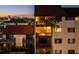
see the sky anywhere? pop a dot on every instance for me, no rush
(22, 10)
(70, 6)
(6, 10)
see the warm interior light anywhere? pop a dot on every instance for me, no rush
(43, 30)
(77, 18)
(37, 18)
(57, 29)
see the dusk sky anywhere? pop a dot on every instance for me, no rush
(27, 10)
(70, 6)
(16, 10)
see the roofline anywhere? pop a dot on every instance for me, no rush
(55, 10)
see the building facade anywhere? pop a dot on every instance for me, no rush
(64, 39)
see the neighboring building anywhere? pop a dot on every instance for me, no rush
(21, 31)
(65, 39)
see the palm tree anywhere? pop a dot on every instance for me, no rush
(18, 20)
(52, 21)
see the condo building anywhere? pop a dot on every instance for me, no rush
(59, 40)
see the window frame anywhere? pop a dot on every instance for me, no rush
(58, 30)
(42, 42)
(71, 29)
(71, 52)
(58, 51)
(71, 40)
(58, 39)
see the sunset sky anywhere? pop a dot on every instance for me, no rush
(70, 6)
(27, 10)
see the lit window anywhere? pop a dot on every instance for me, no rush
(77, 18)
(57, 29)
(63, 17)
(4, 45)
(37, 18)
(43, 31)
(46, 17)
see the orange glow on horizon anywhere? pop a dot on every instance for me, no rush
(3, 14)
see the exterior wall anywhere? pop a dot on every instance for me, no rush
(64, 35)
(19, 40)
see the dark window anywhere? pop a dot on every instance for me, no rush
(43, 40)
(8, 36)
(1, 35)
(58, 51)
(29, 37)
(58, 40)
(58, 18)
(71, 51)
(71, 29)
(70, 41)
(1, 28)
(70, 18)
